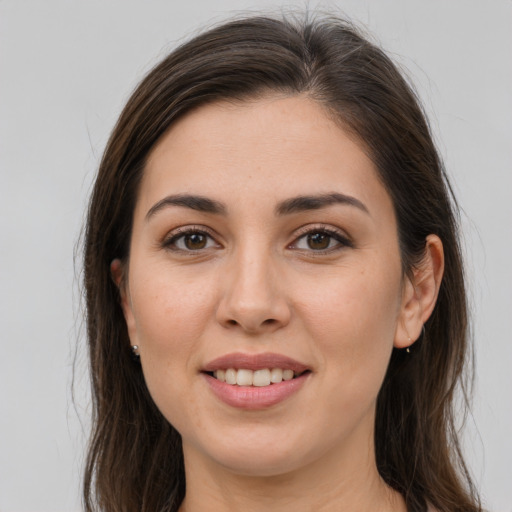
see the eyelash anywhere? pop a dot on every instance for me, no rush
(342, 240)
(171, 241)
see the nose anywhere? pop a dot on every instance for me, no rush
(253, 297)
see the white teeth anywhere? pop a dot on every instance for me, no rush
(244, 377)
(287, 374)
(276, 375)
(231, 376)
(259, 378)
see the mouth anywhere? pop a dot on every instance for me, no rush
(255, 381)
(257, 378)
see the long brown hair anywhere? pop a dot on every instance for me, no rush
(135, 460)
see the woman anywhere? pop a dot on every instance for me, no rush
(275, 297)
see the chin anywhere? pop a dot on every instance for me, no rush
(263, 454)
(261, 464)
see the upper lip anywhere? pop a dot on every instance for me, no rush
(240, 360)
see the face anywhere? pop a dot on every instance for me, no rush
(264, 252)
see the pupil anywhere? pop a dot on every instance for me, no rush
(195, 241)
(318, 241)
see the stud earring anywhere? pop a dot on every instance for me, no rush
(408, 350)
(135, 353)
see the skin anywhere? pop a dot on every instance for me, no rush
(257, 285)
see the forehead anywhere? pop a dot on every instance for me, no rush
(265, 149)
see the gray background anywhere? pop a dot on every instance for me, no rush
(67, 67)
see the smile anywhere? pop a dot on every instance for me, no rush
(255, 381)
(258, 378)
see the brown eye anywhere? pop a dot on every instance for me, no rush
(318, 241)
(191, 241)
(321, 240)
(195, 241)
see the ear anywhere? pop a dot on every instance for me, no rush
(420, 293)
(117, 272)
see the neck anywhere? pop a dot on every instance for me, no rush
(335, 482)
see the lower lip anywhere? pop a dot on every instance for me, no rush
(253, 397)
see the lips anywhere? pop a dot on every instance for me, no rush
(255, 362)
(246, 394)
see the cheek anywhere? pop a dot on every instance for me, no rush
(350, 303)
(352, 319)
(170, 315)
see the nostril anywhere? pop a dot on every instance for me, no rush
(269, 322)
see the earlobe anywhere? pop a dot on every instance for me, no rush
(420, 293)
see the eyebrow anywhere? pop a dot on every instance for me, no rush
(316, 202)
(287, 207)
(194, 202)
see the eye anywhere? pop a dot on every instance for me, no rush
(321, 240)
(191, 240)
